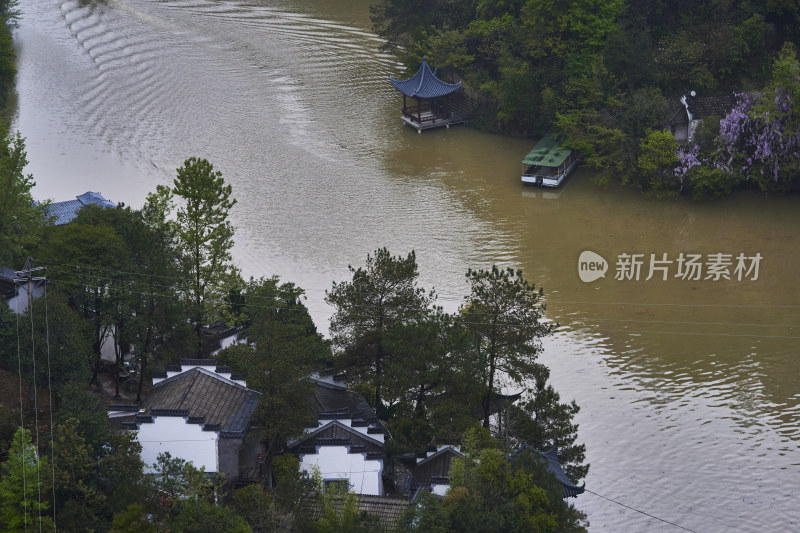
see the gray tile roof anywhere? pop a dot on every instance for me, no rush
(424, 84)
(336, 433)
(388, 510)
(202, 393)
(66, 211)
(436, 465)
(705, 106)
(334, 401)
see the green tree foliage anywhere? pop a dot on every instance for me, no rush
(490, 493)
(380, 295)
(21, 221)
(121, 476)
(337, 512)
(504, 313)
(85, 256)
(55, 332)
(206, 237)
(283, 349)
(177, 479)
(436, 379)
(427, 515)
(24, 487)
(543, 420)
(201, 516)
(657, 158)
(79, 404)
(156, 256)
(262, 511)
(133, 520)
(77, 500)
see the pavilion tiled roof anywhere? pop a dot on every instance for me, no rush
(424, 84)
(554, 466)
(201, 394)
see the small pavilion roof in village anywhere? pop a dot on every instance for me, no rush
(425, 84)
(570, 489)
(64, 212)
(547, 153)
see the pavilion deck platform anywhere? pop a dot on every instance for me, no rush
(430, 120)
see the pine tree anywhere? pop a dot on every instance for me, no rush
(504, 313)
(23, 488)
(205, 234)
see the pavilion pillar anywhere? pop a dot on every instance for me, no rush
(419, 111)
(404, 104)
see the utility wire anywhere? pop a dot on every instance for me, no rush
(642, 512)
(50, 400)
(22, 427)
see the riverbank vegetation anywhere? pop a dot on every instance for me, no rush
(9, 19)
(608, 77)
(155, 278)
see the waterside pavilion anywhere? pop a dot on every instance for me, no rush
(432, 96)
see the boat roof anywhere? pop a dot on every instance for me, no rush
(424, 84)
(547, 153)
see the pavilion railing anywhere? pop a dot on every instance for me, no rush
(415, 113)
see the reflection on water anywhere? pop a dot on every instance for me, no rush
(690, 405)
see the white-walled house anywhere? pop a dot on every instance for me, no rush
(347, 445)
(197, 413)
(16, 295)
(691, 111)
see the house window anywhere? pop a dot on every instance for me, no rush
(337, 485)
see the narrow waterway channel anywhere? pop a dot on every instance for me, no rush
(688, 387)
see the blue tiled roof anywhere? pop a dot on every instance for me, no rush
(424, 84)
(65, 212)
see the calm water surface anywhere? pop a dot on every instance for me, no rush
(689, 391)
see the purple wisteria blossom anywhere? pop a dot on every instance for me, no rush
(755, 138)
(688, 159)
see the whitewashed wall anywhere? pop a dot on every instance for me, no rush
(334, 462)
(19, 302)
(172, 434)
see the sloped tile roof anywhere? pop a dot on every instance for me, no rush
(706, 106)
(388, 510)
(434, 466)
(202, 393)
(424, 84)
(336, 400)
(66, 211)
(335, 432)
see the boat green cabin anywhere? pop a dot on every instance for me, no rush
(548, 163)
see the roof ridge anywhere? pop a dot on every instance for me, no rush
(345, 427)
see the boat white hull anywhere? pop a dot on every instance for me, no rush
(550, 180)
